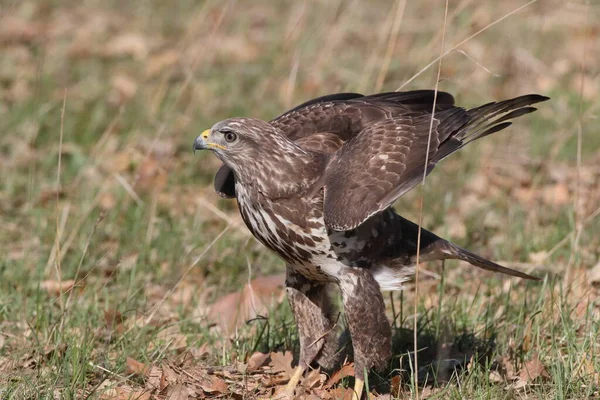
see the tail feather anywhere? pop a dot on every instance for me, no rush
(484, 117)
(483, 121)
(458, 253)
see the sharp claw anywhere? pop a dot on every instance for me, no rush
(358, 388)
(290, 388)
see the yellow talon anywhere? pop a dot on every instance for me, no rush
(294, 380)
(358, 388)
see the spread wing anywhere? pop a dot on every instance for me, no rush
(324, 123)
(387, 159)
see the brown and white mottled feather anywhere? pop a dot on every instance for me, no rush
(387, 159)
(316, 184)
(343, 115)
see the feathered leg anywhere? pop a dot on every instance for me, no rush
(369, 327)
(310, 305)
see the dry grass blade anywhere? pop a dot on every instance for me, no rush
(57, 265)
(400, 5)
(182, 277)
(425, 68)
(576, 205)
(420, 223)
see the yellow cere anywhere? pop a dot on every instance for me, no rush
(205, 137)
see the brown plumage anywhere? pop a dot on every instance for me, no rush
(316, 184)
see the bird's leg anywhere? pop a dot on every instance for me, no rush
(310, 304)
(369, 327)
(295, 379)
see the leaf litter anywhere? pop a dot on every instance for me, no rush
(263, 376)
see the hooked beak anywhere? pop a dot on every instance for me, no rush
(201, 142)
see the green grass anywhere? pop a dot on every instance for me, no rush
(135, 208)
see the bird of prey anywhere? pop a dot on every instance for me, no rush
(316, 186)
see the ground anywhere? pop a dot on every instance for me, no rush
(121, 271)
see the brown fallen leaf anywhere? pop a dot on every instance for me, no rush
(270, 380)
(388, 396)
(135, 367)
(154, 378)
(309, 396)
(128, 393)
(256, 361)
(496, 377)
(280, 393)
(234, 309)
(532, 370)
(282, 362)
(173, 336)
(107, 390)
(113, 317)
(346, 370)
(15, 30)
(57, 288)
(177, 392)
(108, 201)
(160, 62)
(314, 380)
(505, 368)
(456, 226)
(557, 194)
(538, 257)
(524, 195)
(199, 352)
(212, 384)
(128, 262)
(169, 377)
(121, 161)
(338, 393)
(594, 274)
(127, 45)
(395, 386)
(123, 89)
(150, 176)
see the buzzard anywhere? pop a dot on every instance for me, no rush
(316, 186)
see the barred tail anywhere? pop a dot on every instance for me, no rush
(458, 253)
(485, 120)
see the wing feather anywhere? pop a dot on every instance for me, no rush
(343, 115)
(387, 159)
(371, 171)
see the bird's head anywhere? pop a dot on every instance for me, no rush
(258, 153)
(237, 140)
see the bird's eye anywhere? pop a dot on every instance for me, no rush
(230, 137)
